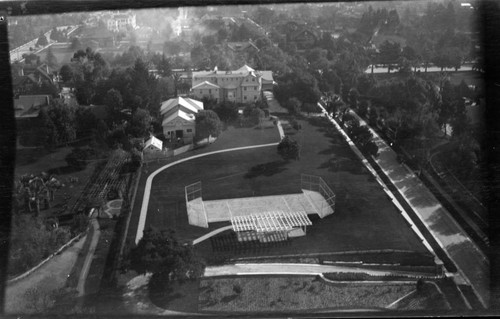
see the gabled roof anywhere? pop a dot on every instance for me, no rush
(29, 105)
(178, 114)
(205, 84)
(267, 76)
(153, 141)
(240, 46)
(193, 105)
(245, 69)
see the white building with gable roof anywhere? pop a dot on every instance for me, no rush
(243, 85)
(179, 118)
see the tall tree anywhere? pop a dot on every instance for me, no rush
(161, 253)
(51, 59)
(42, 40)
(207, 124)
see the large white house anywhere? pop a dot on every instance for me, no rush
(243, 85)
(179, 118)
(122, 21)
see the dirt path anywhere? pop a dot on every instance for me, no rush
(49, 277)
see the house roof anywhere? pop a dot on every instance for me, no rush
(240, 46)
(267, 76)
(205, 84)
(193, 105)
(29, 105)
(153, 141)
(178, 114)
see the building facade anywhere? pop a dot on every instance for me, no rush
(244, 85)
(179, 115)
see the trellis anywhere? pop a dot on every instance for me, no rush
(270, 222)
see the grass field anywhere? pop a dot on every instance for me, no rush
(470, 77)
(296, 293)
(63, 54)
(365, 219)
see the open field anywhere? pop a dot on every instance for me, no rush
(365, 219)
(470, 77)
(62, 52)
(296, 293)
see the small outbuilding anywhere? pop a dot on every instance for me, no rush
(153, 145)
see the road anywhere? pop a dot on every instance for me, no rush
(292, 269)
(16, 54)
(421, 69)
(51, 276)
(472, 264)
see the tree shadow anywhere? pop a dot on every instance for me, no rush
(266, 169)
(343, 164)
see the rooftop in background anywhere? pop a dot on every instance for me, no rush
(28, 106)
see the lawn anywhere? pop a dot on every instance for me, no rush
(294, 293)
(63, 53)
(365, 218)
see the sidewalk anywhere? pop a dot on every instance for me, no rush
(472, 264)
(296, 269)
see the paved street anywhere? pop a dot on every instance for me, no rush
(421, 69)
(294, 269)
(473, 265)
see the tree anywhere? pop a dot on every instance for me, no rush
(207, 124)
(42, 40)
(66, 73)
(75, 44)
(227, 111)
(63, 117)
(50, 58)
(289, 148)
(141, 122)
(160, 253)
(164, 66)
(114, 104)
(293, 105)
(362, 136)
(48, 131)
(389, 52)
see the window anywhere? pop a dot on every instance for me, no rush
(255, 88)
(245, 88)
(189, 130)
(209, 91)
(246, 80)
(255, 97)
(201, 91)
(168, 133)
(244, 97)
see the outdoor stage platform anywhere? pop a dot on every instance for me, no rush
(202, 212)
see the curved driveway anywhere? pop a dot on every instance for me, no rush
(149, 181)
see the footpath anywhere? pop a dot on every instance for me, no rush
(471, 262)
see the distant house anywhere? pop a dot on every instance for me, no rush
(247, 47)
(97, 38)
(153, 145)
(206, 89)
(303, 38)
(30, 78)
(29, 106)
(242, 86)
(121, 22)
(179, 118)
